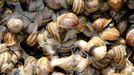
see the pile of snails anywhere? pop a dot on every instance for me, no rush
(66, 37)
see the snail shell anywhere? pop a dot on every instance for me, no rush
(117, 54)
(121, 41)
(15, 25)
(53, 4)
(78, 6)
(108, 70)
(10, 39)
(95, 41)
(92, 5)
(32, 39)
(110, 34)
(2, 31)
(90, 71)
(43, 67)
(131, 4)
(53, 29)
(3, 48)
(122, 26)
(100, 64)
(100, 23)
(130, 37)
(67, 21)
(115, 4)
(99, 52)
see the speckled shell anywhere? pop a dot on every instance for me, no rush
(9, 39)
(110, 34)
(53, 4)
(32, 39)
(117, 54)
(130, 37)
(100, 23)
(115, 4)
(92, 5)
(78, 6)
(15, 25)
(67, 21)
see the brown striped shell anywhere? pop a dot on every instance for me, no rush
(32, 39)
(78, 6)
(110, 34)
(92, 5)
(67, 21)
(10, 39)
(100, 23)
(117, 54)
(130, 37)
(116, 4)
(101, 63)
(53, 29)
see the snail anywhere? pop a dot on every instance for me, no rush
(100, 23)
(78, 6)
(117, 54)
(92, 5)
(10, 39)
(122, 26)
(116, 4)
(67, 21)
(129, 38)
(32, 39)
(110, 34)
(2, 31)
(43, 67)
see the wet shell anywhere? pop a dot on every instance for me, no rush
(115, 4)
(110, 34)
(53, 4)
(15, 25)
(100, 24)
(78, 6)
(32, 39)
(92, 5)
(117, 54)
(10, 39)
(130, 37)
(67, 21)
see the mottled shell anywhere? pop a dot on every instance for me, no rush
(130, 37)
(116, 4)
(103, 63)
(122, 26)
(95, 41)
(32, 39)
(10, 39)
(110, 34)
(43, 67)
(78, 6)
(53, 4)
(15, 25)
(117, 54)
(100, 23)
(67, 21)
(92, 5)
